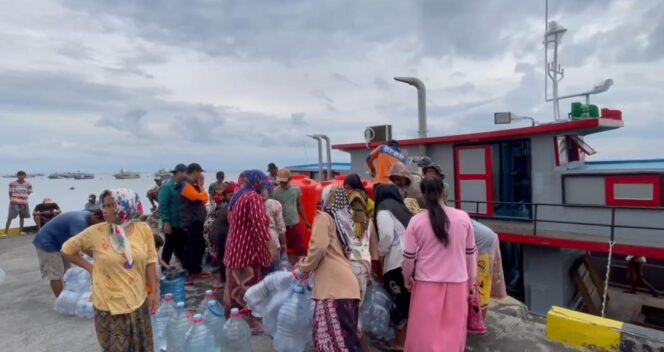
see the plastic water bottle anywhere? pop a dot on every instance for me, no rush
(271, 313)
(294, 323)
(375, 313)
(177, 328)
(237, 335)
(160, 321)
(84, 306)
(209, 296)
(215, 321)
(258, 296)
(199, 338)
(66, 302)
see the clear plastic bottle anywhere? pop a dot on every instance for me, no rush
(199, 338)
(209, 296)
(177, 328)
(237, 335)
(160, 321)
(215, 320)
(294, 323)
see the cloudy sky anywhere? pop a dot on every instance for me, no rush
(99, 85)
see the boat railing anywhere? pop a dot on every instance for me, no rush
(535, 211)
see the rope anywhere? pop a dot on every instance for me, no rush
(606, 280)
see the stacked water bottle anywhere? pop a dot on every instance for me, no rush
(286, 308)
(75, 298)
(375, 313)
(207, 331)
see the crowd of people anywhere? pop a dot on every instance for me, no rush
(406, 238)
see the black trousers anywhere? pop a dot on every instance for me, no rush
(194, 248)
(173, 243)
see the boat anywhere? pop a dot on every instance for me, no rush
(163, 174)
(126, 175)
(83, 176)
(56, 176)
(568, 226)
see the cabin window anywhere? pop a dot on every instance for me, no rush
(570, 149)
(634, 190)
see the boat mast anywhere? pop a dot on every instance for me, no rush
(553, 33)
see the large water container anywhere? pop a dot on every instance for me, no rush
(160, 321)
(215, 320)
(66, 302)
(177, 328)
(174, 286)
(237, 335)
(209, 296)
(310, 200)
(294, 323)
(199, 338)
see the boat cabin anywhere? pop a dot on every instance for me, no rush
(534, 187)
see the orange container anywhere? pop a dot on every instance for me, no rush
(339, 181)
(310, 200)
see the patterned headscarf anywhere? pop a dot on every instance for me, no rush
(128, 208)
(250, 180)
(335, 203)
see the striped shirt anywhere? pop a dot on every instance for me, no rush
(19, 192)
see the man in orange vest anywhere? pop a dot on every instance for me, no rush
(381, 160)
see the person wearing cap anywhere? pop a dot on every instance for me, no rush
(193, 212)
(153, 193)
(169, 213)
(381, 160)
(433, 170)
(407, 182)
(92, 203)
(19, 191)
(50, 238)
(45, 211)
(218, 185)
(290, 198)
(272, 173)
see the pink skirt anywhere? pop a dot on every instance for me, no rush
(438, 317)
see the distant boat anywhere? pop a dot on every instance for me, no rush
(84, 176)
(56, 176)
(125, 175)
(163, 174)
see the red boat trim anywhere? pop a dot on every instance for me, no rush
(598, 247)
(590, 126)
(654, 180)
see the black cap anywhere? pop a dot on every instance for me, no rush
(424, 162)
(220, 174)
(193, 167)
(393, 143)
(272, 166)
(179, 168)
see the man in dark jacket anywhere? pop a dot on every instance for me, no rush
(169, 213)
(193, 212)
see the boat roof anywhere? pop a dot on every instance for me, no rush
(620, 165)
(582, 127)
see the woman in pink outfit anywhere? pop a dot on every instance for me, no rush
(442, 242)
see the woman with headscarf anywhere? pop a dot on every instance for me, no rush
(361, 210)
(124, 279)
(392, 218)
(219, 231)
(247, 256)
(336, 293)
(440, 266)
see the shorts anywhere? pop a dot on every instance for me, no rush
(294, 241)
(16, 210)
(52, 265)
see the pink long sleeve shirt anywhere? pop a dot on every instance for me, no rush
(455, 263)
